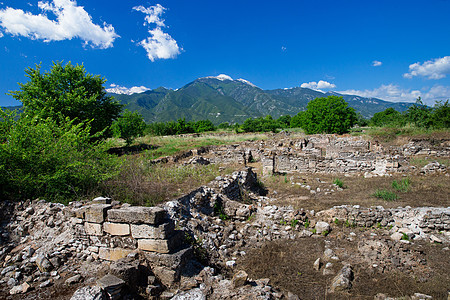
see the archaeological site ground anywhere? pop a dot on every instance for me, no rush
(271, 216)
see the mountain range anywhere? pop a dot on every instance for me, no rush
(222, 99)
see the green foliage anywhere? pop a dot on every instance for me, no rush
(401, 186)
(388, 117)
(385, 195)
(219, 211)
(224, 125)
(129, 126)
(339, 183)
(284, 121)
(440, 117)
(419, 114)
(361, 121)
(307, 223)
(260, 124)
(405, 237)
(68, 91)
(294, 223)
(337, 222)
(41, 158)
(180, 127)
(325, 232)
(326, 115)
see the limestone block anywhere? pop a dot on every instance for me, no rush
(116, 228)
(166, 276)
(174, 261)
(145, 231)
(161, 246)
(96, 213)
(137, 215)
(113, 254)
(93, 229)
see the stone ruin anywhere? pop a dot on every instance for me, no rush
(189, 248)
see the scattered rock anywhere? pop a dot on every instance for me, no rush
(88, 293)
(74, 279)
(322, 227)
(343, 280)
(239, 279)
(317, 264)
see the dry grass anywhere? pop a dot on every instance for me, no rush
(143, 183)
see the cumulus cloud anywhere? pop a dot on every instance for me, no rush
(394, 93)
(318, 86)
(159, 45)
(117, 89)
(72, 21)
(376, 63)
(432, 69)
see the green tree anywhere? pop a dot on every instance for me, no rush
(440, 117)
(260, 124)
(327, 115)
(68, 91)
(284, 121)
(204, 125)
(419, 114)
(387, 117)
(129, 126)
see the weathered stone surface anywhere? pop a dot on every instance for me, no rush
(113, 254)
(126, 269)
(343, 280)
(93, 228)
(194, 294)
(96, 213)
(317, 264)
(88, 293)
(167, 276)
(137, 215)
(172, 261)
(145, 231)
(162, 246)
(43, 264)
(239, 279)
(74, 279)
(20, 289)
(102, 200)
(116, 228)
(322, 227)
(110, 281)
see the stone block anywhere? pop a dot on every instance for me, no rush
(137, 215)
(162, 246)
(116, 228)
(166, 276)
(93, 229)
(145, 231)
(96, 213)
(174, 261)
(113, 254)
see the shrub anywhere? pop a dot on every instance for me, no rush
(41, 158)
(402, 186)
(339, 183)
(385, 195)
(388, 117)
(260, 125)
(129, 126)
(326, 115)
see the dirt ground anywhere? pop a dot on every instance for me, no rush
(289, 266)
(430, 190)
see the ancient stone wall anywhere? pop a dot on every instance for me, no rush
(113, 233)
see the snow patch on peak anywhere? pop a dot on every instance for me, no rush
(221, 77)
(246, 82)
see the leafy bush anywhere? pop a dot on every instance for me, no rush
(129, 126)
(326, 115)
(180, 127)
(388, 117)
(41, 158)
(260, 124)
(68, 91)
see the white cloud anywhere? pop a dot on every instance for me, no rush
(159, 45)
(432, 69)
(72, 21)
(117, 89)
(394, 93)
(318, 86)
(283, 48)
(376, 63)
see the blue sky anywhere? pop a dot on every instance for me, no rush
(393, 50)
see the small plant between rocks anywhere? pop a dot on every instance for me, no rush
(401, 186)
(339, 183)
